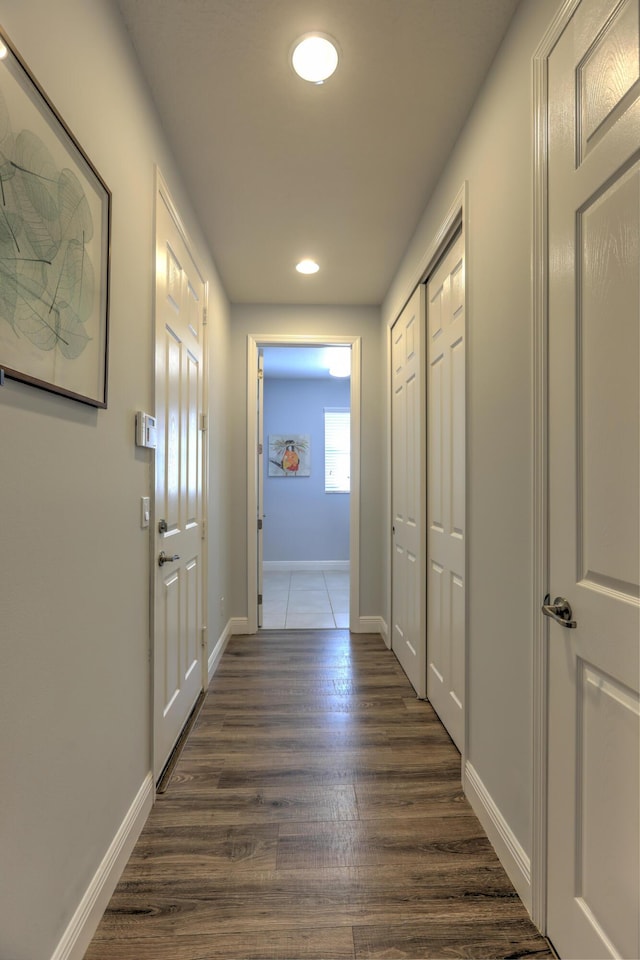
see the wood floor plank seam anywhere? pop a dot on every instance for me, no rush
(316, 813)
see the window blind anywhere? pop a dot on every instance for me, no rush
(337, 450)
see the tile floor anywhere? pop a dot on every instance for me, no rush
(310, 599)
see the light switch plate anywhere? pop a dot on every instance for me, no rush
(145, 511)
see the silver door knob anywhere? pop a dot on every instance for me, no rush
(163, 558)
(560, 611)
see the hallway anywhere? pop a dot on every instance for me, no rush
(316, 812)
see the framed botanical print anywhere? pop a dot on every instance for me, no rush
(55, 212)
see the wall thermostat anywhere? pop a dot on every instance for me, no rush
(145, 430)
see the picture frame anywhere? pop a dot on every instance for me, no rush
(55, 231)
(289, 455)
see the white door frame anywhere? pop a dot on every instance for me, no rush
(254, 342)
(260, 481)
(540, 453)
(163, 195)
(456, 215)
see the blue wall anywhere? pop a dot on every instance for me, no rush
(302, 522)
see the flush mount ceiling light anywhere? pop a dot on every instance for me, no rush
(307, 266)
(314, 57)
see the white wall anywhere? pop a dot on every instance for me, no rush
(495, 155)
(303, 522)
(74, 564)
(314, 321)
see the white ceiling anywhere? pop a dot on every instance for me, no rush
(280, 169)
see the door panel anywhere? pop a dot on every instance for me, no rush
(192, 439)
(408, 635)
(193, 578)
(178, 652)
(607, 227)
(446, 491)
(607, 787)
(167, 655)
(594, 454)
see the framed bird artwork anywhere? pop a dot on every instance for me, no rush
(289, 455)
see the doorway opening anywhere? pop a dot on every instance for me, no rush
(303, 436)
(306, 487)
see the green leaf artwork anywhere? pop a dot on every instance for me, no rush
(47, 279)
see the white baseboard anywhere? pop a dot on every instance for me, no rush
(240, 625)
(293, 566)
(510, 852)
(236, 625)
(218, 650)
(369, 625)
(83, 924)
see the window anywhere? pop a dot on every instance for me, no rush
(337, 450)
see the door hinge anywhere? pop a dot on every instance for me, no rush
(260, 374)
(203, 637)
(259, 599)
(203, 421)
(260, 449)
(259, 524)
(204, 316)
(203, 530)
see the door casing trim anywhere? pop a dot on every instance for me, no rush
(254, 342)
(540, 460)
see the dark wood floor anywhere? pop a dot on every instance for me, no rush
(316, 812)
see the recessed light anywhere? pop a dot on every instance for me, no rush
(314, 57)
(3, 51)
(307, 266)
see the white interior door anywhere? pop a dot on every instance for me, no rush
(446, 491)
(260, 472)
(594, 308)
(178, 649)
(408, 429)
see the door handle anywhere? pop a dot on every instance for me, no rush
(560, 611)
(163, 558)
